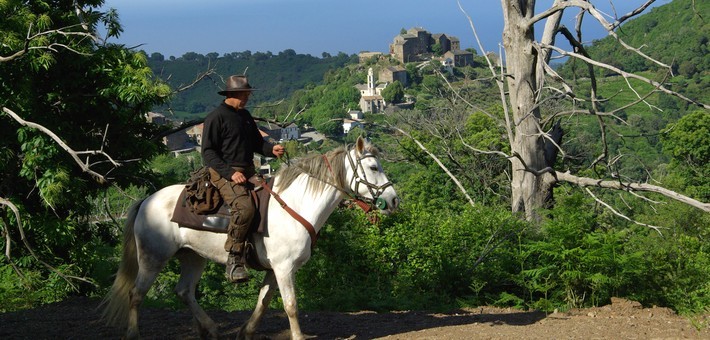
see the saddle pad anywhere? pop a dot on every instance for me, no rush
(218, 223)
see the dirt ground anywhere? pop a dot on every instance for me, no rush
(77, 318)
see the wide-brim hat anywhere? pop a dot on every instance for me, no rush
(236, 84)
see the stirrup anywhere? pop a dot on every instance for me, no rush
(235, 270)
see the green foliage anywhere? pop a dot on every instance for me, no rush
(672, 41)
(576, 261)
(422, 258)
(93, 96)
(681, 43)
(393, 93)
(21, 291)
(322, 106)
(436, 49)
(175, 169)
(688, 142)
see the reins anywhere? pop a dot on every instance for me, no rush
(309, 227)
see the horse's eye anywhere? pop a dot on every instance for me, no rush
(374, 168)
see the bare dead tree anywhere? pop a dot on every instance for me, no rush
(527, 83)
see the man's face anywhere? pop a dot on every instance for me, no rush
(243, 98)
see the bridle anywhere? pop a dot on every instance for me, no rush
(375, 190)
(364, 202)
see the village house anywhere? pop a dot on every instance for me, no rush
(391, 74)
(279, 134)
(350, 124)
(355, 120)
(356, 115)
(177, 142)
(195, 133)
(460, 58)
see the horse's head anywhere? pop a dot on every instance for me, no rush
(367, 179)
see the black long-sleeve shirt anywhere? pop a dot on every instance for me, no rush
(230, 138)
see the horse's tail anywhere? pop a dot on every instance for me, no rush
(116, 303)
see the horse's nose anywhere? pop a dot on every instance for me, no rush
(395, 203)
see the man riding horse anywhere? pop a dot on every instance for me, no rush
(230, 139)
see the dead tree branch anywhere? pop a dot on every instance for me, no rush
(441, 165)
(65, 31)
(628, 186)
(85, 166)
(16, 212)
(615, 212)
(499, 78)
(625, 74)
(200, 77)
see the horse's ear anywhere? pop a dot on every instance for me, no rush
(360, 145)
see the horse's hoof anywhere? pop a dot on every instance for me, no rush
(209, 334)
(241, 335)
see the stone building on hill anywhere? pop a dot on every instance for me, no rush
(364, 56)
(391, 73)
(418, 42)
(459, 57)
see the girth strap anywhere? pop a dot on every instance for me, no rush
(293, 213)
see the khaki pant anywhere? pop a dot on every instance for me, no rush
(241, 208)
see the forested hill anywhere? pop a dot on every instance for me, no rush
(676, 34)
(275, 75)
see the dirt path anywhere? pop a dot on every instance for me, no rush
(77, 318)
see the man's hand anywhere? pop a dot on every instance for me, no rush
(278, 150)
(239, 178)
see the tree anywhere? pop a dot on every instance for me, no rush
(393, 93)
(73, 113)
(437, 49)
(541, 109)
(155, 56)
(535, 140)
(688, 142)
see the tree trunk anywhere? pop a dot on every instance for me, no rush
(529, 191)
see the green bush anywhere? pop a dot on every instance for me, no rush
(420, 258)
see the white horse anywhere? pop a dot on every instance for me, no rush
(313, 187)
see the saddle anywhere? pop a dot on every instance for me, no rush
(218, 222)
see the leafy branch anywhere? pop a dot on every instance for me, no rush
(84, 165)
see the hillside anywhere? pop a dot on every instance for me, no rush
(676, 34)
(275, 76)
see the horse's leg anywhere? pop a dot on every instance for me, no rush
(147, 273)
(286, 281)
(265, 295)
(191, 267)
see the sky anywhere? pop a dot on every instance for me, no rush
(175, 27)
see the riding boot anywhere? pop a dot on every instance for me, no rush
(235, 271)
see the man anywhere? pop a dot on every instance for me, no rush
(230, 138)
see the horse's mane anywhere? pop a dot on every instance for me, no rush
(319, 174)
